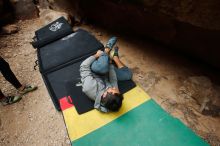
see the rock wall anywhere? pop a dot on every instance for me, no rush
(192, 26)
(200, 13)
(12, 10)
(7, 14)
(25, 9)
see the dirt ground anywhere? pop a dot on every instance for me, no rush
(34, 120)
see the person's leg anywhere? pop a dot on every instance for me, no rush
(109, 45)
(101, 65)
(113, 52)
(1, 95)
(123, 72)
(5, 100)
(10, 77)
(111, 42)
(8, 74)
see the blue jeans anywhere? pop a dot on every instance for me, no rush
(101, 66)
(123, 73)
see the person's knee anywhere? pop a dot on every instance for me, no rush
(127, 75)
(100, 68)
(124, 74)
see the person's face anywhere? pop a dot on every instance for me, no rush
(112, 90)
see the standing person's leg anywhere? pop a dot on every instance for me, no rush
(8, 74)
(1, 95)
(5, 100)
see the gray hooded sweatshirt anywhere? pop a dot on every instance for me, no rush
(94, 85)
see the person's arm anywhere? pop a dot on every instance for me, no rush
(89, 83)
(112, 77)
(85, 67)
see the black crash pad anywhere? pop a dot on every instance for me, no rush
(52, 32)
(60, 54)
(70, 48)
(66, 82)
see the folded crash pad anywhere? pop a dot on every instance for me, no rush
(52, 32)
(71, 48)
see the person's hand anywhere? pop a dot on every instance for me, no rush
(107, 50)
(98, 54)
(116, 90)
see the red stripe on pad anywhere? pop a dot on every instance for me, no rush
(66, 102)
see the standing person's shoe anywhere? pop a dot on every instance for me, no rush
(10, 100)
(111, 42)
(27, 89)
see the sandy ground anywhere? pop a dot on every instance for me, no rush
(34, 120)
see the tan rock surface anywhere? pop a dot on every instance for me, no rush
(34, 120)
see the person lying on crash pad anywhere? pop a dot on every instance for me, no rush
(99, 77)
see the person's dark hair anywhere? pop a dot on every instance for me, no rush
(112, 102)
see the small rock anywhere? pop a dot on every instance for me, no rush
(48, 15)
(24, 9)
(10, 29)
(67, 141)
(203, 91)
(2, 139)
(99, 34)
(7, 55)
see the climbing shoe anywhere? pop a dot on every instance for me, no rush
(10, 100)
(111, 42)
(114, 52)
(27, 89)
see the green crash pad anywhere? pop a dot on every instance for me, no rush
(146, 125)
